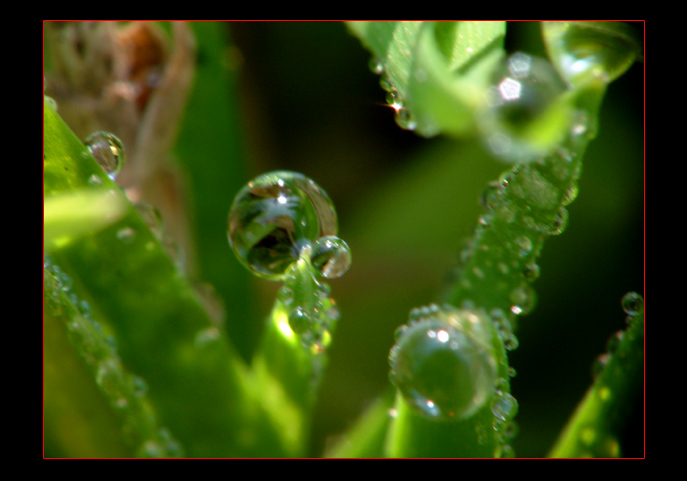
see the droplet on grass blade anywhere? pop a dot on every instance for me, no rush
(108, 151)
(442, 362)
(330, 256)
(586, 50)
(632, 303)
(274, 217)
(523, 117)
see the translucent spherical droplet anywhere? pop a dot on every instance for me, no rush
(376, 65)
(523, 299)
(523, 118)
(273, 217)
(108, 151)
(504, 406)
(633, 303)
(585, 50)
(330, 256)
(443, 364)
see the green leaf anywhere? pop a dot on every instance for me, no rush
(93, 405)
(69, 215)
(435, 72)
(196, 382)
(597, 425)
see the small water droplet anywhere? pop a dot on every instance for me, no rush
(107, 150)
(376, 65)
(531, 271)
(442, 363)
(330, 256)
(152, 218)
(525, 246)
(126, 234)
(299, 320)
(523, 299)
(95, 179)
(386, 84)
(504, 406)
(272, 216)
(207, 337)
(404, 119)
(600, 364)
(140, 386)
(633, 303)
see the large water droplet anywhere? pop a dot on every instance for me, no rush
(523, 118)
(585, 50)
(443, 364)
(273, 217)
(108, 151)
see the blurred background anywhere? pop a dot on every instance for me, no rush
(310, 103)
(300, 96)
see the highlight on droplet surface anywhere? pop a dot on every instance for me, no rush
(443, 363)
(108, 151)
(274, 217)
(523, 117)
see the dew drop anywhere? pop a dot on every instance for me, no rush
(531, 271)
(108, 151)
(504, 406)
(525, 246)
(330, 256)
(152, 218)
(522, 118)
(583, 50)
(126, 234)
(404, 119)
(523, 299)
(442, 363)
(376, 65)
(273, 217)
(633, 303)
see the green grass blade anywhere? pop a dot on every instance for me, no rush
(291, 358)
(596, 426)
(366, 439)
(196, 381)
(93, 406)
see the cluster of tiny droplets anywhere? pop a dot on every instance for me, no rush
(124, 391)
(633, 306)
(403, 117)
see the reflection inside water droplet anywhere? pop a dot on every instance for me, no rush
(330, 256)
(107, 150)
